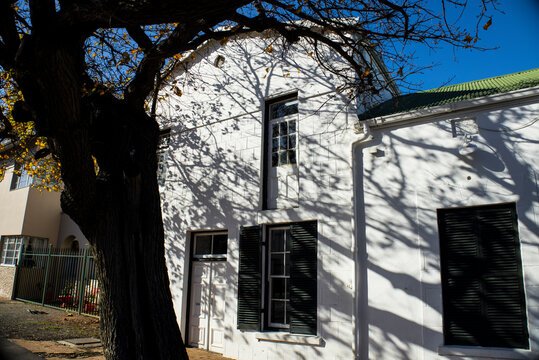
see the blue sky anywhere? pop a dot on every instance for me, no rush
(515, 33)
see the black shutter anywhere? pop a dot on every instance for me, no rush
(249, 279)
(303, 278)
(482, 286)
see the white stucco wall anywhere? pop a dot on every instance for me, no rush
(409, 171)
(213, 181)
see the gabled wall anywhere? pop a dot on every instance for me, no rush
(407, 172)
(214, 180)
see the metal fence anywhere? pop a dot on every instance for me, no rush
(59, 278)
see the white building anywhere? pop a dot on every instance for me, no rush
(291, 235)
(447, 221)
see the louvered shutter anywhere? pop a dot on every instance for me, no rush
(249, 279)
(483, 294)
(303, 278)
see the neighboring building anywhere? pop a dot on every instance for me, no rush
(291, 235)
(31, 218)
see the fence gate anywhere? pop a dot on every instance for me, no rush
(59, 278)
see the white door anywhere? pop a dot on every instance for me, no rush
(282, 168)
(208, 292)
(207, 306)
(199, 304)
(216, 333)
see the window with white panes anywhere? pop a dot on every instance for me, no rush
(279, 277)
(10, 247)
(283, 132)
(21, 180)
(281, 174)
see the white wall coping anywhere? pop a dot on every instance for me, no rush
(486, 352)
(281, 337)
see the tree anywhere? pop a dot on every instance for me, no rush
(81, 78)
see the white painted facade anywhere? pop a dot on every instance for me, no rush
(214, 182)
(410, 167)
(374, 199)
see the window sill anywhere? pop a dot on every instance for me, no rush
(281, 337)
(489, 352)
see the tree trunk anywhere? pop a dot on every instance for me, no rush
(118, 210)
(137, 316)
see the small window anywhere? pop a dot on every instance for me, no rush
(210, 245)
(21, 180)
(11, 247)
(162, 155)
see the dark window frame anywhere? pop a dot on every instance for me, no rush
(212, 256)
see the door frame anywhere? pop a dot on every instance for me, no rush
(193, 259)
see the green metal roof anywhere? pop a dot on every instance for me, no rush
(455, 93)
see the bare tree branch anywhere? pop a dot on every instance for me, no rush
(8, 32)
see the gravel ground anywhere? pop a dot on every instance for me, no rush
(39, 328)
(30, 322)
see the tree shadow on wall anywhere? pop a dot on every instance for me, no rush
(214, 183)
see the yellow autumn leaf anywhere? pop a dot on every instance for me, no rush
(269, 49)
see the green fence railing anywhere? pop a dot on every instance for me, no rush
(59, 278)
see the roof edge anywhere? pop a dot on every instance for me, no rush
(417, 115)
